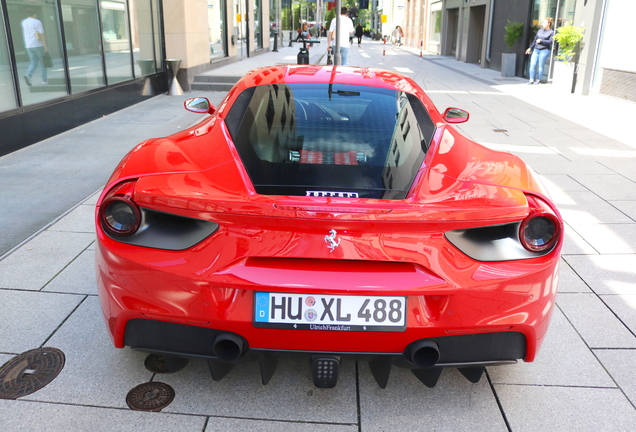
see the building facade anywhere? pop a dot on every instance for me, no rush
(422, 24)
(473, 31)
(610, 66)
(109, 54)
(103, 54)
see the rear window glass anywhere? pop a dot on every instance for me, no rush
(330, 139)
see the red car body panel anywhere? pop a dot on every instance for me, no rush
(275, 243)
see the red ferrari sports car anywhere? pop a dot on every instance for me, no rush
(330, 213)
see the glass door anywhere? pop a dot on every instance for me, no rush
(83, 45)
(216, 25)
(258, 24)
(239, 33)
(8, 98)
(36, 31)
(116, 40)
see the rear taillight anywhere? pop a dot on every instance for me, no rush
(119, 215)
(541, 229)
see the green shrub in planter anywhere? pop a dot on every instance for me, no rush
(569, 38)
(514, 31)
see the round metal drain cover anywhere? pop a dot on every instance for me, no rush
(30, 371)
(159, 364)
(151, 396)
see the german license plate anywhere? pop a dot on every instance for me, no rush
(329, 312)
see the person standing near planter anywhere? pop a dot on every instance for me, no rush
(540, 49)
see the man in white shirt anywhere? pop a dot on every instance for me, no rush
(346, 28)
(35, 44)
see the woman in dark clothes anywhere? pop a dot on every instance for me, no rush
(540, 49)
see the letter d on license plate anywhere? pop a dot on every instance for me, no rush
(329, 312)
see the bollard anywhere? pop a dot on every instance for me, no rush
(147, 68)
(275, 41)
(421, 47)
(384, 49)
(290, 38)
(175, 88)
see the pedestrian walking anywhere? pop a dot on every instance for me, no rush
(346, 28)
(303, 32)
(540, 50)
(397, 36)
(35, 44)
(359, 34)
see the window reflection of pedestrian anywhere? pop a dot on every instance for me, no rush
(359, 34)
(35, 44)
(540, 49)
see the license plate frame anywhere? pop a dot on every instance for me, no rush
(329, 312)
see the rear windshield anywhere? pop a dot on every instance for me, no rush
(330, 139)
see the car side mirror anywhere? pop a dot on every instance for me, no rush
(456, 115)
(199, 105)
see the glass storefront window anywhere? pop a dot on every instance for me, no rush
(566, 13)
(156, 31)
(116, 40)
(562, 11)
(7, 92)
(258, 25)
(126, 43)
(239, 28)
(436, 23)
(142, 37)
(35, 30)
(541, 10)
(287, 18)
(216, 24)
(273, 21)
(83, 44)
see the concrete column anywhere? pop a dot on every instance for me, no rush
(186, 31)
(588, 15)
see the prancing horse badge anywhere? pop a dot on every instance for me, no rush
(331, 240)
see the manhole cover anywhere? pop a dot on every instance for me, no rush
(29, 372)
(151, 396)
(159, 364)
